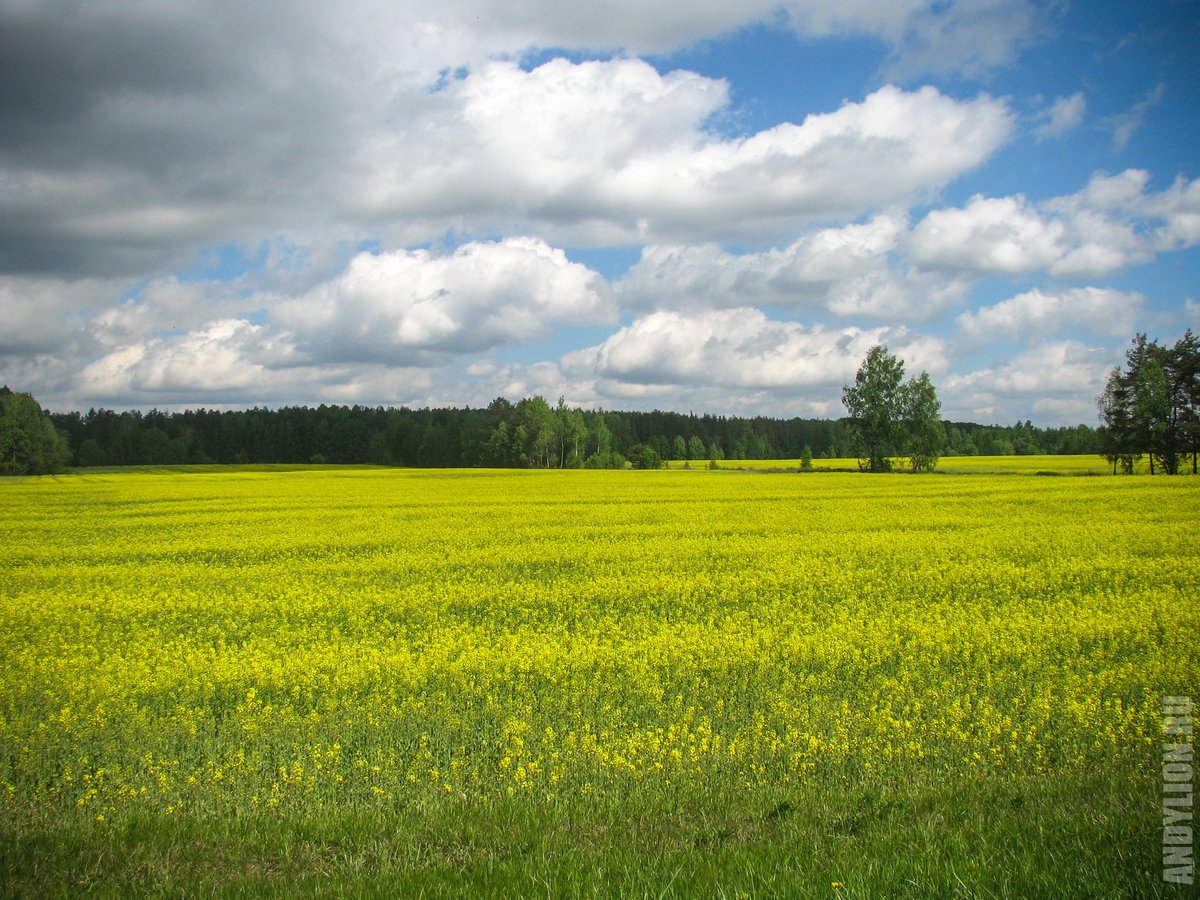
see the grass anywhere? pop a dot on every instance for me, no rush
(1081, 836)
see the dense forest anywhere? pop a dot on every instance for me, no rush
(529, 433)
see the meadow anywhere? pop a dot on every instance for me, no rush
(302, 680)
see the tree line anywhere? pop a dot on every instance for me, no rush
(1151, 408)
(528, 433)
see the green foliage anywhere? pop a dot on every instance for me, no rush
(1151, 408)
(926, 435)
(876, 406)
(806, 457)
(645, 457)
(503, 435)
(607, 459)
(30, 444)
(891, 417)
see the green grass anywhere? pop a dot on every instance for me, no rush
(1086, 836)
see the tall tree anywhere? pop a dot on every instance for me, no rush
(30, 444)
(1149, 408)
(876, 407)
(926, 436)
(1116, 415)
(1185, 357)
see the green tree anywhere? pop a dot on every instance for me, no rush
(806, 457)
(926, 437)
(1146, 409)
(876, 407)
(1186, 368)
(538, 420)
(695, 447)
(29, 442)
(572, 432)
(1152, 414)
(679, 448)
(644, 457)
(890, 416)
(1117, 438)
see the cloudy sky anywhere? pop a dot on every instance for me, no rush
(715, 206)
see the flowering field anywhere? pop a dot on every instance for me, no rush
(681, 681)
(1034, 464)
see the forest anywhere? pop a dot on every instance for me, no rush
(528, 433)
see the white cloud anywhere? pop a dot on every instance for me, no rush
(1038, 314)
(741, 349)
(1059, 380)
(804, 273)
(1178, 208)
(215, 358)
(848, 270)
(1191, 313)
(615, 152)
(1064, 115)
(45, 314)
(151, 129)
(1114, 215)
(228, 362)
(1001, 234)
(408, 307)
(1109, 225)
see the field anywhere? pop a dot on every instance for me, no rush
(514, 683)
(948, 465)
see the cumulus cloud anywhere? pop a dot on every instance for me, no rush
(40, 315)
(1064, 115)
(989, 234)
(407, 307)
(1058, 380)
(741, 349)
(849, 270)
(133, 133)
(889, 269)
(405, 312)
(1109, 225)
(613, 151)
(229, 362)
(805, 272)
(1039, 313)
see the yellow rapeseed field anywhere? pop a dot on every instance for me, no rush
(213, 643)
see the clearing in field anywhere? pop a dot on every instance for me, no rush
(668, 683)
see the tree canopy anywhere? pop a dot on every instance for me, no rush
(892, 417)
(528, 433)
(1151, 408)
(30, 444)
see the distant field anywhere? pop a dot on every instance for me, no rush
(1059, 465)
(394, 682)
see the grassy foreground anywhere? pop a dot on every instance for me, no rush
(590, 683)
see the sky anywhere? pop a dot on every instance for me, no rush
(715, 207)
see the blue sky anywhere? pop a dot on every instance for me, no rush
(717, 207)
